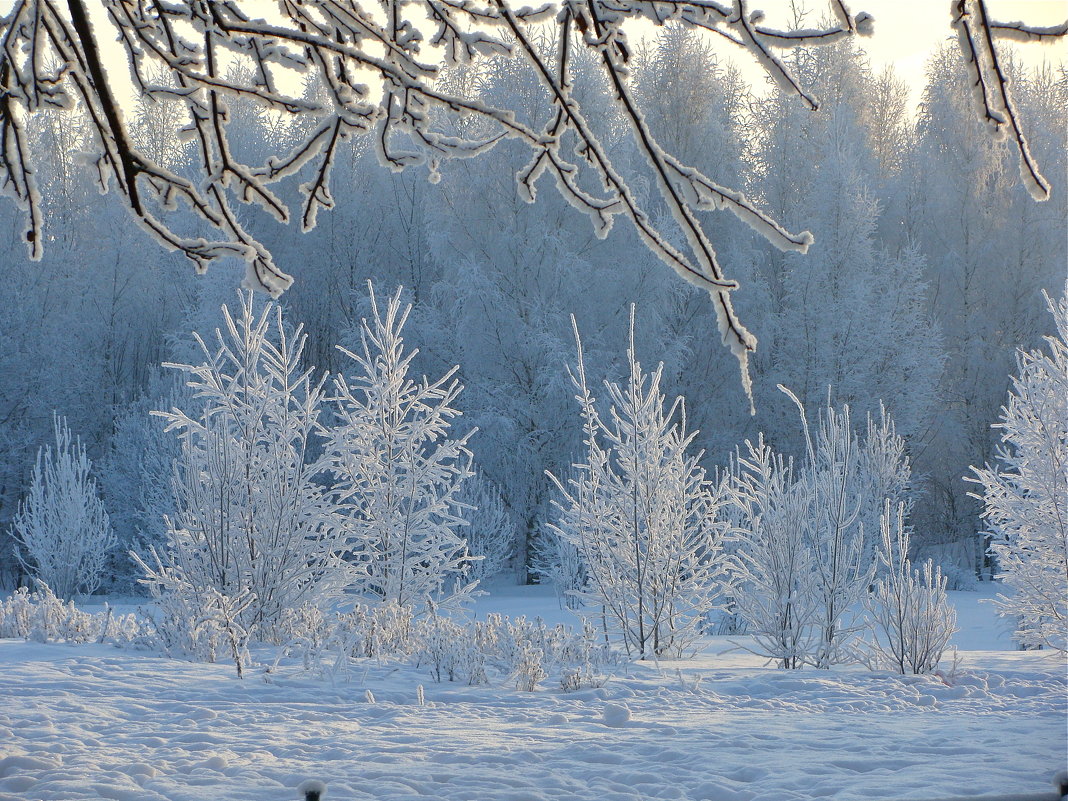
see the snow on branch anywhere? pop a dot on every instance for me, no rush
(990, 85)
(380, 71)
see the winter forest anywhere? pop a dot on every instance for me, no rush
(577, 373)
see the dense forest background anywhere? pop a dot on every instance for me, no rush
(925, 276)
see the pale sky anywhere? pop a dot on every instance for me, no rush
(908, 31)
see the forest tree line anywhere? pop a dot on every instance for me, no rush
(925, 276)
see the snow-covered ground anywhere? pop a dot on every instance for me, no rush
(94, 722)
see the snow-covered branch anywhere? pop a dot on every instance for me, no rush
(379, 72)
(990, 85)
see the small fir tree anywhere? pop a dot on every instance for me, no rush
(642, 514)
(255, 519)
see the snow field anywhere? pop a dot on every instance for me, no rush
(93, 722)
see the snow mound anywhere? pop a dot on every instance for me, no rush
(616, 715)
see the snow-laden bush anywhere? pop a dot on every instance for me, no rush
(442, 647)
(842, 564)
(42, 616)
(183, 625)
(328, 642)
(397, 468)
(375, 629)
(641, 513)
(61, 530)
(801, 558)
(1025, 496)
(912, 620)
(771, 567)
(517, 650)
(256, 518)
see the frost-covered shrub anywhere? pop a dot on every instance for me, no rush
(529, 670)
(959, 577)
(43, 617)
(771, 565)
(441, 646)
(802, 556)
(181, 630)
(523, 652)
(61, 530)
(1025, 495)
(327, 641)
(256, 520)
(912, 620)
(385, 629)
(842, 561)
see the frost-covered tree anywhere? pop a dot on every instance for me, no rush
(397, 468)
(804, 542)
(842, 566)
(849, 314)
(61, 529)
(989, 250)
(380, 76)
(1025, 494)
(256, 518)
(771, 564)
(911, 616)
(490, 529)
(642, 514)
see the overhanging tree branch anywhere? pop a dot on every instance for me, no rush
(380, 70)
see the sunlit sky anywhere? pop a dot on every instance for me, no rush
(908, 31)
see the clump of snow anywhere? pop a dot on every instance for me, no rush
(616, 715)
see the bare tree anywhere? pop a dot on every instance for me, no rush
(378, 71)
